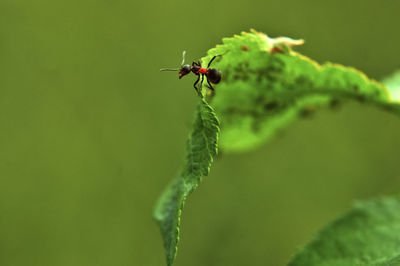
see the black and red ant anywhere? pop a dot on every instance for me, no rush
(212, 75)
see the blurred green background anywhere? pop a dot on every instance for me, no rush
(91, 132)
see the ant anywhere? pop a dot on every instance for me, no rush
(213, 75)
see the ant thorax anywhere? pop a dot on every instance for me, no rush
(195, 68)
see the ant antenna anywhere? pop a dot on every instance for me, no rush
(169, 69)
(175, 69)
(183, 57)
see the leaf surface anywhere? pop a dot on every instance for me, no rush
(367, 235)
(262, 91)
(201, 147)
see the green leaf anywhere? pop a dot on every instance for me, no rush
(367, 235)
(201, 148)
(262, 92)
(264, 87)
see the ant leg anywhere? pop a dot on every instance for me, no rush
(208, 66)
(211, 87)
(202, 79)
(194, 85)
(196, 63)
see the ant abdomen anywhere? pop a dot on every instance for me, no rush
(214, 75)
